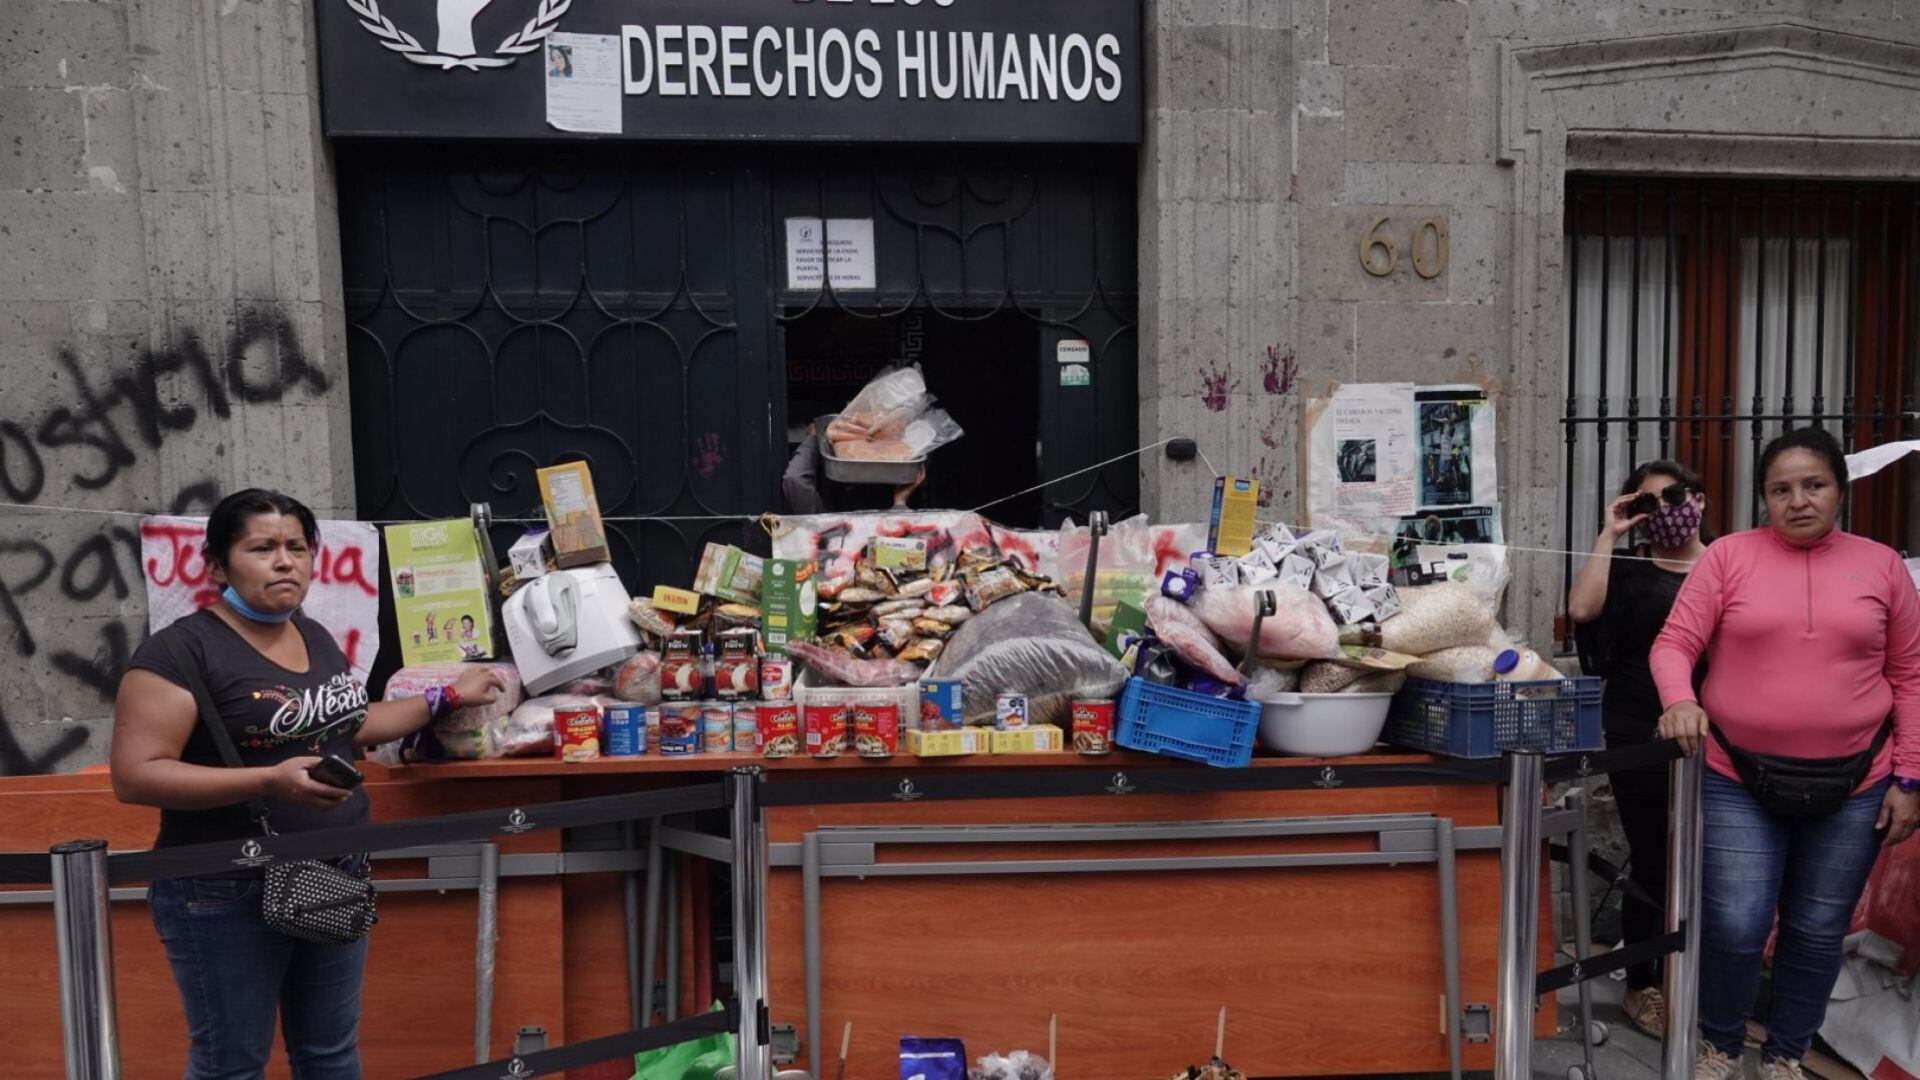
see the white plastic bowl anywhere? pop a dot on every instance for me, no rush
(1322, 725)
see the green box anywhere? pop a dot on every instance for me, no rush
(1125, 617)
(727, 573)
(787, 604)
(440, 597)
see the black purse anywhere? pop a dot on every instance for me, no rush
(308, 899)
(1792, 787)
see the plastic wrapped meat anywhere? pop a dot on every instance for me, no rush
(840, 668)
(1190, 637)
(529, 730)
(1030, 644)
(1299, 628)
(638, 679)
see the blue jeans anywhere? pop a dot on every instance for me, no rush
(235, 973)
(1812, 872)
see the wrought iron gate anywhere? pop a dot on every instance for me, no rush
(513, 306)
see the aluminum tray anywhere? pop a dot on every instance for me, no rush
(888, 473)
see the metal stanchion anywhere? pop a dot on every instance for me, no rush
(1685, 852)
(83, 936)
(486, 936)
(1519, 915)
(752, 1061)
(650, 922)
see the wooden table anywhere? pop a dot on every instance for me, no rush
(1329, 970)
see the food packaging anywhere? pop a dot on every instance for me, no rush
(1179, 584)
(1367, 569)
(776, 678)
(528, 555)
(1218, 571)
(1010, 712)
(678, 601)
(624, 729)
(777, 729)
(440, 600)
(682, 672)
(876, 729)
(898, 554)
(1297, 569)
(1349, 606)
(1035, 643)
(727, 573)
(746, 729)
(716, 727)
(932, 1059)
(941, 705)
(1277, 541)
(1256, 567)
(948, 743)
(1035, 739)
(573, 515)
(788, 603)
(826, 729)
(1093, 723)
(466, 732)
(1385, 600)
(1236, 500)
(736, 671)
(1127, 619)
(680, 729)
(578, 732)
(1331, 580)
(638, 679)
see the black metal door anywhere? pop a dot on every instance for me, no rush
(517, 305)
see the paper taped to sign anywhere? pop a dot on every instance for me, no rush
(1361, 447)
(842, 246)
(583, 83)
(344, 595)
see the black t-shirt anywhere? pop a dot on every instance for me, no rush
(272, 713)
(1639, 597)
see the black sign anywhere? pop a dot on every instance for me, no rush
(853, 70)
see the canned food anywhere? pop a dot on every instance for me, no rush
(716, 727)
(1010, 712)
(1093, 726)
(626, 730)
(777, 729)
(826, 729)
(579, 733)
(679, 728)
(653, 730)
(876, 729)
(776, 678)
(746, 727)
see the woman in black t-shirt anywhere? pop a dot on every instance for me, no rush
(1622, 597)
(288, 698)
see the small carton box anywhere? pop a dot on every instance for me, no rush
(727, 573)
(528, 555)
(1125, 617)
(942, 705)
(899, 554)
(678, 601)
(573, 513)
(1236, 501)
(440, 598)
(1037, 739)
(788, 603)
(947, 743)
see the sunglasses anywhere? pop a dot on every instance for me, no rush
(1672, 495)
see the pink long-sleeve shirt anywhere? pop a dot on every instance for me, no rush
(1809, 648)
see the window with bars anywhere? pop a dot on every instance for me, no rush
(1706, 317)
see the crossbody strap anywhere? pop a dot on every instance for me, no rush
(210, 719)
(1871, 752)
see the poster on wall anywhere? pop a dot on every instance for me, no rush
(583, 83)
(1455, 428)
(344, 595)
(1361, 455)
(440, 597)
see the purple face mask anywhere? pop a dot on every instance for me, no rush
(1673, 526)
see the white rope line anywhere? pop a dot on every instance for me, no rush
(1078, 472)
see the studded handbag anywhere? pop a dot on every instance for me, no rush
(310, 899)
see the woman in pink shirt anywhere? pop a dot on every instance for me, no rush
(1812, 640)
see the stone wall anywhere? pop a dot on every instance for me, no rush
(170, 321)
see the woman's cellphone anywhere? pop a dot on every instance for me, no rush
(335, 771)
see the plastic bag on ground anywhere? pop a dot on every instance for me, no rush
(1182, 629)
(1028, 644)
(1435, 617)
(1299, 628)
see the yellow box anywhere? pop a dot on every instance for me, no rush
(678, 601)
(1236, 502)
(573, 515)
(1038, 739)
(947, 743)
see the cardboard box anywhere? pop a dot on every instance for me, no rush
(1125, 617)
(1236, 501)
(942, 705)
(573, 513)
(727, 573)
(948, 743)
(528, 555)
(678, 601)
(440, 599)
(788, 603)
(1036, 739)
(898, 553)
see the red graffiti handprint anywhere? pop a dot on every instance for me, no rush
(709, 453)
(1219, 384)
(1278, 373)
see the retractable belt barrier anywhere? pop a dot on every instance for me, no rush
(87, 985)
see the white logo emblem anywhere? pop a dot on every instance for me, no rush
(907, 793)
(1576, 972)
(517, 1068)
(1121, 785)
(453, 45)
(1586, 764)
(250, 849)
(517, 822)
(1328, 779)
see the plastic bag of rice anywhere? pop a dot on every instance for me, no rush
(1436, 617)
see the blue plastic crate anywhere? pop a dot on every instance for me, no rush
(1178, 723)
(1482, 720)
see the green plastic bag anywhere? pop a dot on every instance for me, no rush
(698, 1059)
